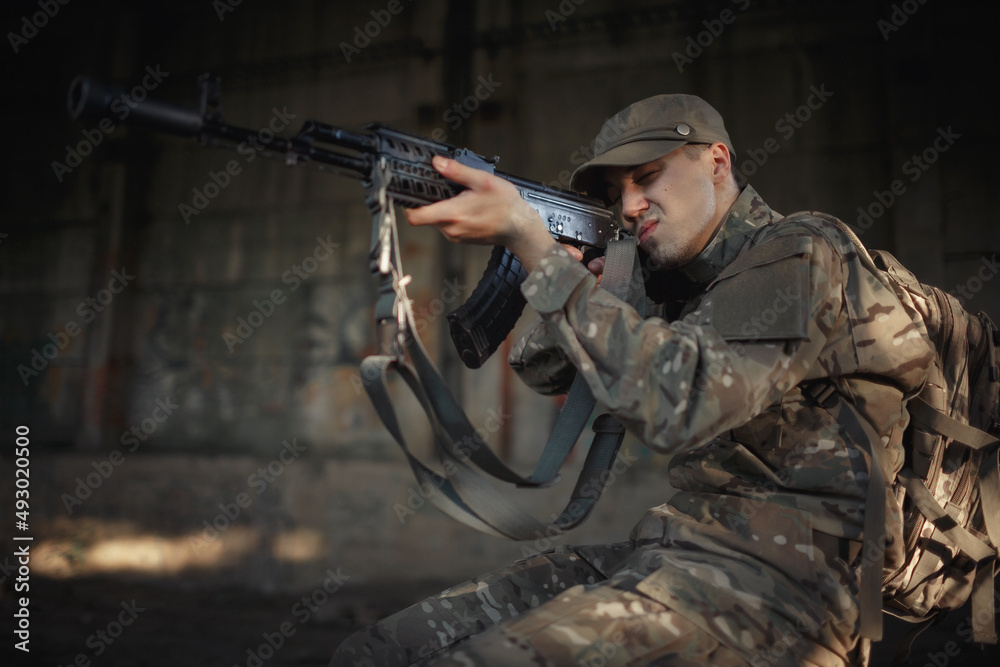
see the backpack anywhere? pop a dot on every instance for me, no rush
(949, 486)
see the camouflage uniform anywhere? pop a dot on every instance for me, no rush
(753, 560)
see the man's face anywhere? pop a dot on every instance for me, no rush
(669, 204)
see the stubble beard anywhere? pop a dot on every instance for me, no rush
(667, 250)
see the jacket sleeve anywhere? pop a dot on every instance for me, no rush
(677, 385)
(540, 363)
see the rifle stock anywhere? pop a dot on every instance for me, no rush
(478, 326)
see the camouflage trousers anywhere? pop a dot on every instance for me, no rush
(561, 607)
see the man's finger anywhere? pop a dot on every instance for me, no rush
(446, 210)
(470, 177)
(429, 214)
(452, 208)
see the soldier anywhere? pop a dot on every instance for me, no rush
(757, 557)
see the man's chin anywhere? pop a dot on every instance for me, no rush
(658, 258)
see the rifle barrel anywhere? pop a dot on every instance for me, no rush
(90, 99)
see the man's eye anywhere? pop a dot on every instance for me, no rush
(645, 177)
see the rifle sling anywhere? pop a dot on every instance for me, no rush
(623, 279)
(465, 494)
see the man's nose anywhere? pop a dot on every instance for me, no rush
(633, 205)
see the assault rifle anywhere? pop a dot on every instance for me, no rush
(395, 168)
(487, 317)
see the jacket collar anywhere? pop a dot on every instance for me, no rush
(747, 214)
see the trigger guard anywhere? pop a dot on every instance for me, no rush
(591, 253)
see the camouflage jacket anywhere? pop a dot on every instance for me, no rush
(758, 467)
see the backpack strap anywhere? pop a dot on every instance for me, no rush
(988, 481)
(825, 394)
(946, 522)
(943, 519)
(926, 416)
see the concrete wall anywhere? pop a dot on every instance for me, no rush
(828, 104)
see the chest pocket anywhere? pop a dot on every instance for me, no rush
(763, 295)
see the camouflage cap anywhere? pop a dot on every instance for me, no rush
(646, 131)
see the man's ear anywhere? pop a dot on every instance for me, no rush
(722, 162)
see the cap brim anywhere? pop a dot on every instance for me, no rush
(585, 178)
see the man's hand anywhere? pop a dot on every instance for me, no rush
(489, 212)
(595, 266)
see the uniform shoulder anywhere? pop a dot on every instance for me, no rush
(822, 228)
